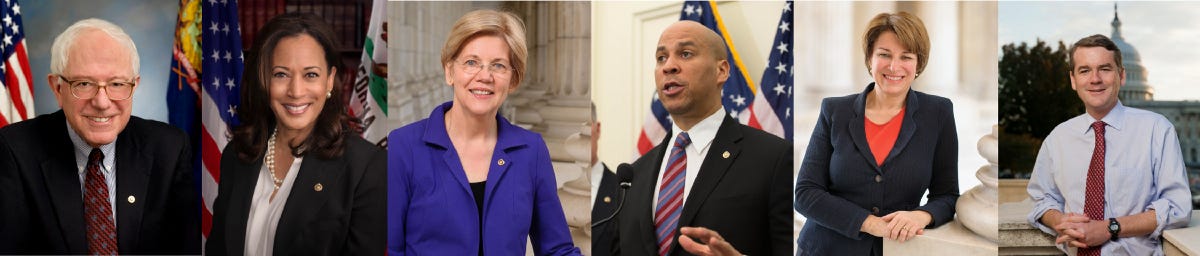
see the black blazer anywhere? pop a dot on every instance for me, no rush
(41, 202)
(347, 217)
(744, 197)
(840, 183)
(604, 235)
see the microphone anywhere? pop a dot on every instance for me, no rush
(625, 175)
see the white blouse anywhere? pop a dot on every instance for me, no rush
(264, 212)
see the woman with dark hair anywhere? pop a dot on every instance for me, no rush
(295, 178)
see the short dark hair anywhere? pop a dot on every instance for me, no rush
(327, 139)
(907, 27)
(1096, 40)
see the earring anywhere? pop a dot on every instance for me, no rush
(328, 94)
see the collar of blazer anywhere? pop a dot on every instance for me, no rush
(858, 128)
(509, 138)
(60, 174)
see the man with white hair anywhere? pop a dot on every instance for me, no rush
(90, 178)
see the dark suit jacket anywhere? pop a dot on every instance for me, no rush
(41, 209)
(744, 197)
(840, 183)
(604, 236)
(347, 217)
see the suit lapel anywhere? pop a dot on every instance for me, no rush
(716, 164)
(133, 175)
(305, 200)
(66, 193)
(908, 128)
(62, 177)
(645, 219)
(240, 196)
(858, 130)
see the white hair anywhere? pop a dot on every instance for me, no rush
(64, 41)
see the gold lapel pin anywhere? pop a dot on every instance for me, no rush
(132, 199)
(500, 162)
(725, 154)
(318, 187)
(607, 199)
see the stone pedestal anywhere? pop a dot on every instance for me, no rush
(1183, 241)
(977, 207)
(1017, 237)
(950, 239)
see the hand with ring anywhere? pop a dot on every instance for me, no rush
(904, 225)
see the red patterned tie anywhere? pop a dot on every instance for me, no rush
(1093, 204)
(670, 195)
(101, 231)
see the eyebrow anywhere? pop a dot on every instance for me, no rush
(494, 60)
(305, 68)
(679, 44)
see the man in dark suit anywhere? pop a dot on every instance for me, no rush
(731, 181)
(90, 178)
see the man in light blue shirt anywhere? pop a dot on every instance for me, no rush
(1111, 180)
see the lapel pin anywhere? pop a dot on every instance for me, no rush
(318, 187)
(500, 162)
(725, 154)
(607, 199)
(132, 199)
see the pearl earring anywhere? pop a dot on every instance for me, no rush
(328, 94)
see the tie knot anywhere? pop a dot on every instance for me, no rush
(96, 156)
(1098, 126)
(682, 140)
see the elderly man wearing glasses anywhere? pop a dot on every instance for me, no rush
(90, 178)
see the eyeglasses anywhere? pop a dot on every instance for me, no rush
(86, 89)
(473, 66)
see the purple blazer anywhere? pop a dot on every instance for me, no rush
(431, 210)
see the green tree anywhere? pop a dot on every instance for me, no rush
(1035, 96)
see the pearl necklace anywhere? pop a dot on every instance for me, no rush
(271, 159)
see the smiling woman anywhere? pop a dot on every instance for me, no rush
(508, 188)
(297, 180)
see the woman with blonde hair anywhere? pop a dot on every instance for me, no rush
(465, 181)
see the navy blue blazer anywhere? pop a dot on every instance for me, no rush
(840, 183)
(432, 211)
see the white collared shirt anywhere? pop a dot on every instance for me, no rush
(264, 212)
(702, 135)
(107, 167)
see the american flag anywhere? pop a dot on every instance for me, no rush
(775, 103)
(738, 95)
(368, 100)
(221, 80)
(16, 94)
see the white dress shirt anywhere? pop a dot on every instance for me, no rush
(702, 135)
(265, 212)
(1143, 170)
(107, 168)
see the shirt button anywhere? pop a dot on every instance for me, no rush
(874, 210)
(878, 179)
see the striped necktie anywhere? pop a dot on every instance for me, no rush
(670, 195)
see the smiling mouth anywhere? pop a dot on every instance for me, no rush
(296, 108)
(480, 92)
(99, 119)
(893, 78)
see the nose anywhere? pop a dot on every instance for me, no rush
(484, 78)
(101, 100)
(294, 88)
(670, 67)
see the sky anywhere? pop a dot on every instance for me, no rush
(1163, 32)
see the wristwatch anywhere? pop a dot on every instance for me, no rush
(1114, 228)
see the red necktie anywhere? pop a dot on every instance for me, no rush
(101, 231)
(1093, 204)
(670, 195)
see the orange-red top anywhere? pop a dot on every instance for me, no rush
(881, 137)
